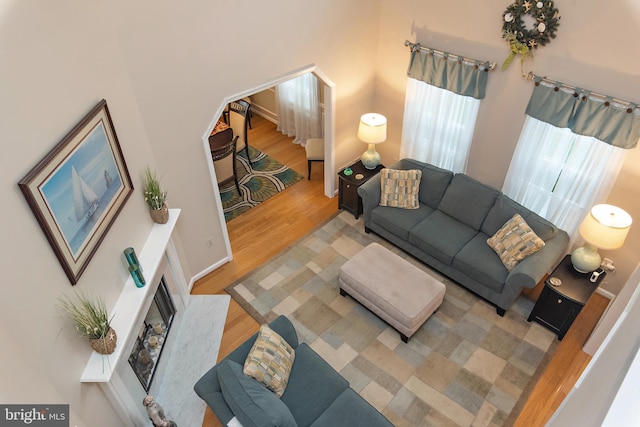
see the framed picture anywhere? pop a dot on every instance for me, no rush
(78, 189)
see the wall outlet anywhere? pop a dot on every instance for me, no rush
(607, 265)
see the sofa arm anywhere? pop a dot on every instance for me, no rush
(370, 193)
(529, 271)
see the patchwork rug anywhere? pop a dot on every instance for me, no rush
(265, 178)
(465, 366)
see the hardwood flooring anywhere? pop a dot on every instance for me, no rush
(264, 231)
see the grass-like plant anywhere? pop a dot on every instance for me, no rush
(89, 314)
(153, 193)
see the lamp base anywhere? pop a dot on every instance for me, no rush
(370, 158)
(586, 259)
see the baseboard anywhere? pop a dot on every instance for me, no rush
(605, 293)
(208, 270)
(266, 114)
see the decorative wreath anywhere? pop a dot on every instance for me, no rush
(523, 40)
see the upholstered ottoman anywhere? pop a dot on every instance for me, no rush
(394, 289)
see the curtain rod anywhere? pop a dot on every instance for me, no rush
(489, 66)
(586, 92)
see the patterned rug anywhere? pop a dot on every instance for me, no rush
(465, 366)
(265, 178)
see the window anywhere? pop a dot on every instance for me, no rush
(559, 174)
(438, 125)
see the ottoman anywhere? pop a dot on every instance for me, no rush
(392, 288)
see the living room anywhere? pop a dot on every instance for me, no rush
(165, 72)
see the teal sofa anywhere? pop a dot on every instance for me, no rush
(316, 395)
(449, 232)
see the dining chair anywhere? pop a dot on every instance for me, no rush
(238, 120)
(224, 162)
(315, 152)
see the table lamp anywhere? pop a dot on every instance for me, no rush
(605, 227)
(372, 130)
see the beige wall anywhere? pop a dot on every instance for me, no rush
(592, 50)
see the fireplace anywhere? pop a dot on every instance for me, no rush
(145, 356)
(140, 306)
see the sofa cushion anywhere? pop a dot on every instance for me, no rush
(313, 386)
(399, 222)
(270, 360)
(478, 261)
(515, 241)
(504, 208)
(441, 236)
(468, 200)
(399, 188)
(433, 185)
(349, 409)
(251, 402)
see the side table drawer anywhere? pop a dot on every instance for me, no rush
(349, 195)
(555, 311)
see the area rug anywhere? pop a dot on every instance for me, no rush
(264, 178)
(465, 366)
(195, 350)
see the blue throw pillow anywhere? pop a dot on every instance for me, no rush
(251, 402)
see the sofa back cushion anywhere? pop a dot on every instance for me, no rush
(468, 200)
(433, 183)
(504, 209)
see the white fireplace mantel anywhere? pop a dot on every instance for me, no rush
(133, 302)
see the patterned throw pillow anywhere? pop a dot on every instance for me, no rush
(400, 188)
(514, 242)
(270, 360)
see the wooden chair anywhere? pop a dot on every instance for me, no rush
(224, 162)
(238, 120)
(315, 152)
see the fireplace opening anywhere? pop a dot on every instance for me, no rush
(153, 333)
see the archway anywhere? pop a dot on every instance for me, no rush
(329, 137)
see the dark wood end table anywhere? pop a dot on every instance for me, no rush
(348, 198)
(558, 306)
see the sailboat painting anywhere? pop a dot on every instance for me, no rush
(77, 191)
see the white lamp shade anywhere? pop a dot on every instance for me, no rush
(372, 128)
(606, 227)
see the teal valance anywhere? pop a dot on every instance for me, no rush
(460, 75)
(611, 121)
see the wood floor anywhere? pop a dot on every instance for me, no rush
(267, 229)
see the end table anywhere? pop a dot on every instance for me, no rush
(564, 294)
(348, 198)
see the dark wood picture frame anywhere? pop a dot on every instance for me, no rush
(78, 189)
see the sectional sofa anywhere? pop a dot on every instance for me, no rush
(450, 228)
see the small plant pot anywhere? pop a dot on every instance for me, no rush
(105, 345)
(160, 216)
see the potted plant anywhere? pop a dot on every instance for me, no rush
(90, 317)
(155, 197)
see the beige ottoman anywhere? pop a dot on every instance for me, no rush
(394, 289)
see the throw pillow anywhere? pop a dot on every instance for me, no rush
(400, 188)
(250, 401)
(515, 241)
(270, 360)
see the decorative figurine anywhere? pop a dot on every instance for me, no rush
(156, 413)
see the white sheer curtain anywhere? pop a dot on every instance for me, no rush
(298, 108)
(438, 126)
(561, 175)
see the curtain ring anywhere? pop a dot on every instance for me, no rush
(629, 110)
(537, 83)
(556, 88)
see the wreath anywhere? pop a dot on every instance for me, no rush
(523, 40)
